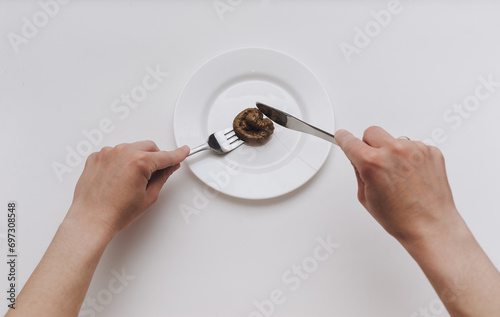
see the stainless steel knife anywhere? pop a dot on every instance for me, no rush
(288, 121)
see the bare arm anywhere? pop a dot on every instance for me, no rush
(403, 185)
(116, 187)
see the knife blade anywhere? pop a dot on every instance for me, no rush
(288, 121)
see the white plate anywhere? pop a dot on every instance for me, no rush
(234, 81)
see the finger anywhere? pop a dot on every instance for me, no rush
(361, 187)
(158, 179)
(353, 147)
(377, 137)
(146, 145)
(164, 159)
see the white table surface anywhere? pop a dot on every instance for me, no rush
(65, 78)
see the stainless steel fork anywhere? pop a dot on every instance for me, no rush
(221, 142)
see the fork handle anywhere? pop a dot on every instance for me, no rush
(200, 148)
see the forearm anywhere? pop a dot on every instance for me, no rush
(58, 285)
(461, 273)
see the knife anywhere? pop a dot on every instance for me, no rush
(288, 121)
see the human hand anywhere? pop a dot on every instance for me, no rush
(119, 184)
(402, 183)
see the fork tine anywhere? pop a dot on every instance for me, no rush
(233, 138)
(236, 143)
(221, 142)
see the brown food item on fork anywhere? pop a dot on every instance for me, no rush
(251, 127)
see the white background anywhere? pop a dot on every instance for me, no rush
(65, 78)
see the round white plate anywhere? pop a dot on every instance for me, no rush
(234, 81)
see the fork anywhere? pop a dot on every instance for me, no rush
(221, 142)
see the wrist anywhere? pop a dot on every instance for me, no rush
(93, 229)
(436, 236)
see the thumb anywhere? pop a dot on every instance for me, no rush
(164, 159)
(353, 147)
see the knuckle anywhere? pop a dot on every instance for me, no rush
(419, 153)
(371, 158)
(434, 151)
(121, 147)
(436, 154)
(151, 144)
(399, 148)
(372, 161)
(404, 168)
(370, 130)
(106, 150)
(141, 160)
(420, 146)
(92, 157)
